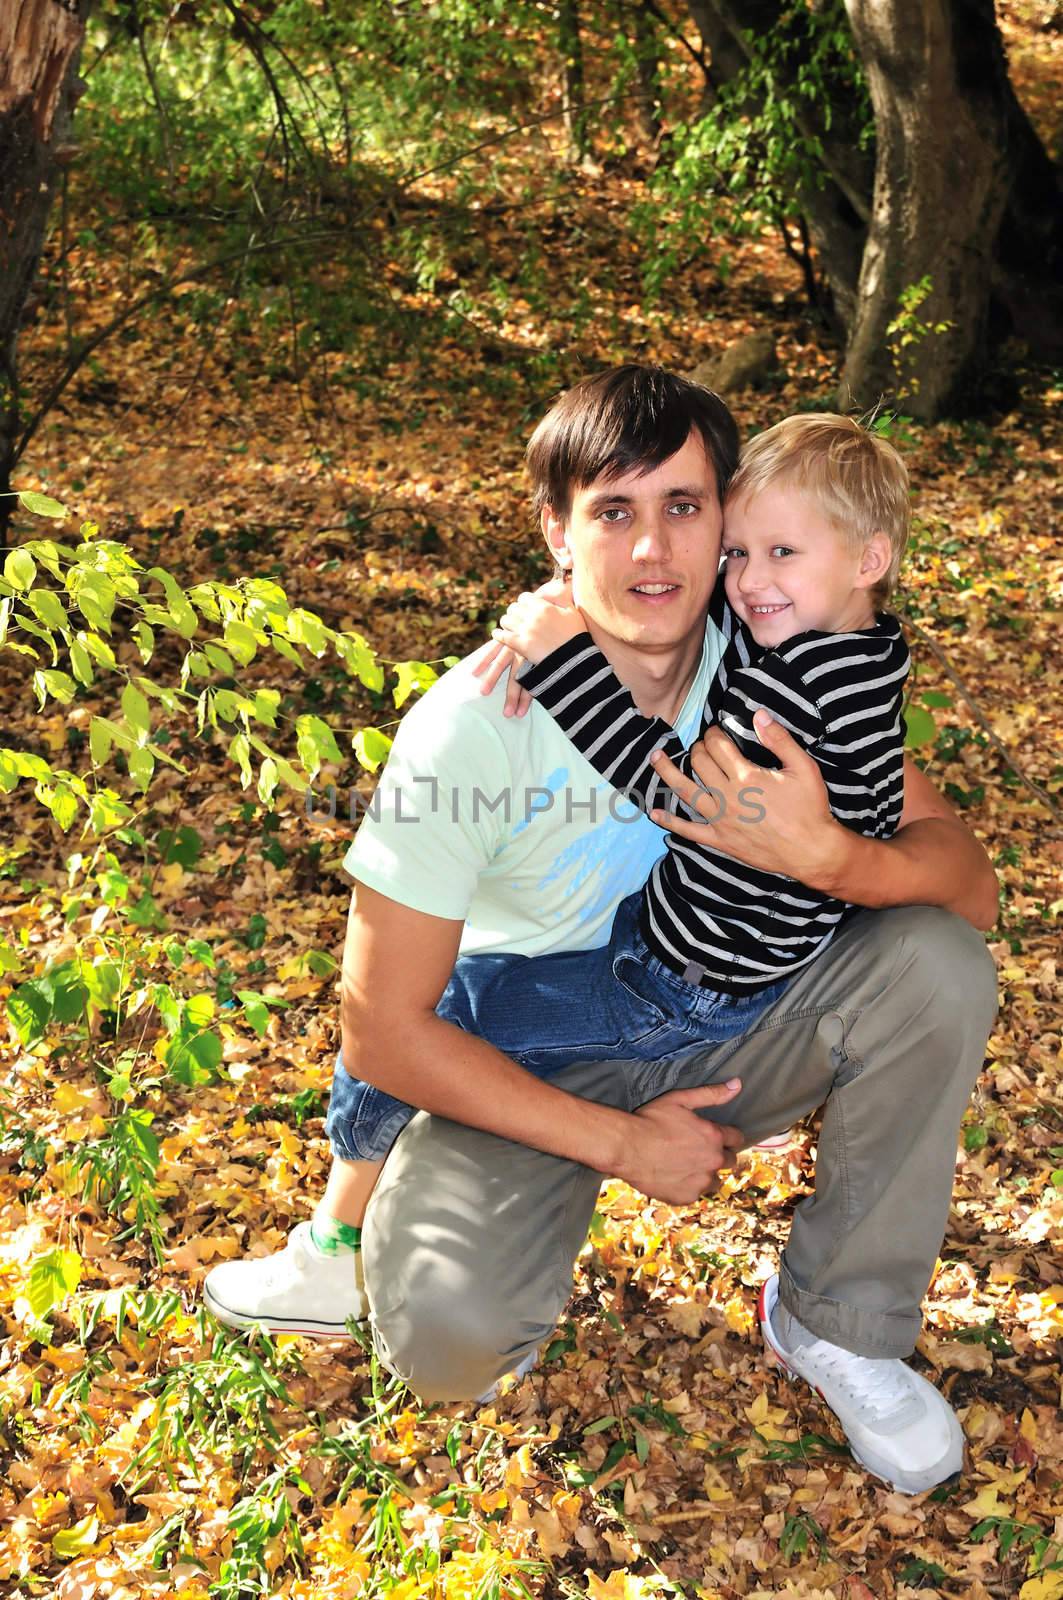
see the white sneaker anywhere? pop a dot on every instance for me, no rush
(898, 1426)
(298, 1290)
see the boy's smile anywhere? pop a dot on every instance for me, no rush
(788, 570)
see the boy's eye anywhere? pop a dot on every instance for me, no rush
(734, 552)
(781, 550)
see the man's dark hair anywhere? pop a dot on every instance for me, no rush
(631, 418)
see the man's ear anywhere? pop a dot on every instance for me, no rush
(556, 536)
(874, 561)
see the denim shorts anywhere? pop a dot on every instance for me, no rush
(618, 1002)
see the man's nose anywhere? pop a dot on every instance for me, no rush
(652, 542)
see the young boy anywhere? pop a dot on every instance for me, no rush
(815, 523)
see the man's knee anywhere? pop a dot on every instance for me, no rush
(447, 1348)
(944, 972)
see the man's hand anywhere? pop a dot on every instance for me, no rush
(536, 625)
(778, 820)
(675, 1155)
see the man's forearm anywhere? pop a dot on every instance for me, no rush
(930, 862)
(437, 1067)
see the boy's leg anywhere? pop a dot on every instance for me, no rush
(469, 1240)
(316, 1284)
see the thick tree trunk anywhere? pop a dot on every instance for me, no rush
(939, 86)
(40, 44)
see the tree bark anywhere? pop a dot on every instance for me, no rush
(40, 46)
(939, 86)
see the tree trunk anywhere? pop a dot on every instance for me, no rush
(571, 47)
(647, 52)
(40, 45)
(939, 86)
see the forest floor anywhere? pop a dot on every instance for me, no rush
(652, 1446)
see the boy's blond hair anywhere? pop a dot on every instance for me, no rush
(856, 478)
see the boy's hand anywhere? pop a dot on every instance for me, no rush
(490, 662)
(535, 626)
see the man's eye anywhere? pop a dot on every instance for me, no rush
(685, 508)
(613, 514)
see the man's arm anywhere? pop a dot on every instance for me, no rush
(932, 860)
(396, 964)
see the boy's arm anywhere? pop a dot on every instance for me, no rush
(580, 690)
(396, 964)
(933, 859)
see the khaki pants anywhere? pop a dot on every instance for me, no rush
(469, 1241)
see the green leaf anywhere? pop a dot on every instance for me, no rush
(95, 595)
(182, 616)
(307, 629)
(599, 1426)
(49, 608)
(80, 662)
(41, 505)
(64, 808)
(934, 697)
(265, 706)
(316, 742)
(141, 763)
(145, 640)
(920, 728)
(20, 569)
(137, 712)
(371, 747)
(412, 675)
(52, 1277)
(240, 752)
(219, 660)
(255, 937)
(99, 649)
(199, 1009)
(30, 1009)
(75, 1541)
(199, 950)
(255, 1010)
(99, 740)
(60, 685)
(185, 845)
(240, 640)
(267, 780)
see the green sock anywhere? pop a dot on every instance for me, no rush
(332, 1237)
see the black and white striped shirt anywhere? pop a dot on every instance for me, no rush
(707, 916)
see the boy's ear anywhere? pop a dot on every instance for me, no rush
(556, 536)
(874, 561)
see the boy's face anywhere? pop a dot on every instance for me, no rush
(643, 550)
(787, 569)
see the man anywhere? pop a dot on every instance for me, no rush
(494, 835)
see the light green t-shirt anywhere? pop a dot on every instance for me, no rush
(501, 823)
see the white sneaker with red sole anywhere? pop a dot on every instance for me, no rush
(298, 1290)
(898, 1426)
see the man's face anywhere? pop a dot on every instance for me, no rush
(643, 550)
